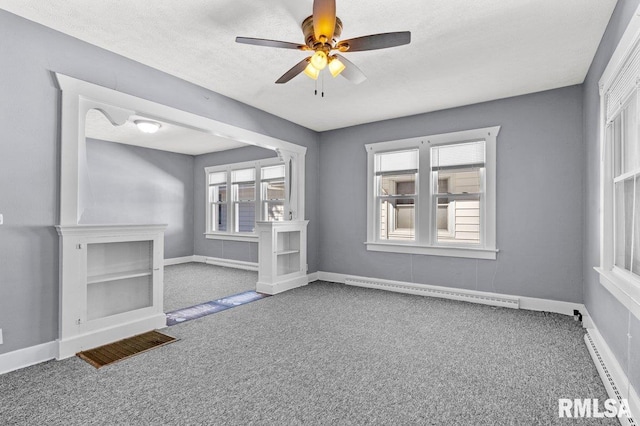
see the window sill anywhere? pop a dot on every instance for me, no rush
(465, 252)
(625, 289)
(232, 237)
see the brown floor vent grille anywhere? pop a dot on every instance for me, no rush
(122, 349)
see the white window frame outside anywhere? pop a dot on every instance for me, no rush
(230, 234)
(425, 241)
(620, 283)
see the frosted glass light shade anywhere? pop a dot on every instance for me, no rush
(311, 72)
(319, 60)
(336, 67)
(147, 126)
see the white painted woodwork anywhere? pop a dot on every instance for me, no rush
(111, 284)
(282, 259)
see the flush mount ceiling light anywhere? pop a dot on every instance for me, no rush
(322, 31)
(147, 126)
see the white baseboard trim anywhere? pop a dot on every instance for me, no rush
(229, 263)
(612, 374)
(313, 277)
(296, 282)
(473, 296)
(26, 357)
(69, 347)
(179, 260)
(548, 305)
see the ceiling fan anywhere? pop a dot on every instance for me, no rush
(322, 32)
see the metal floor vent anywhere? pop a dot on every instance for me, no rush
(608, 375)
(441, 292)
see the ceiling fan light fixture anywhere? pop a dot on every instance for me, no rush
(319, 60)
(335, 66)
(147, 126)
(311, 71)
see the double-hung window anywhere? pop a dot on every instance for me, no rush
(239, 194)
(217, 205)
(273, 193)
(396, 178)
(434, 195)
(620, 172)
(243, 185)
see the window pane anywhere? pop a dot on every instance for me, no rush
(623, 223)
(630, 149)
(273, 172)
(245, 215)
(245, 175)
(219, 217)
(245, 191)
(219, 177)
(218, 193)
(398, 160)
(401, 184)
(616, 134)
(273, 190)
(274, 211)
(458, 220)
(461, 181)
(459, 154)
(397, 219)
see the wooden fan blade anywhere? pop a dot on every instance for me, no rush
(351, 72)
(297, 69)
(324, 18)
(270, 43)
(375, 41)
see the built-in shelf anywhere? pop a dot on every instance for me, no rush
(118, 276)
(111, 284)
(282, 256)
(283, 252)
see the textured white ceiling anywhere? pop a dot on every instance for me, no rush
(169, 137)
(462, 51)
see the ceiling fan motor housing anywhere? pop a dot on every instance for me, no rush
(309, 37)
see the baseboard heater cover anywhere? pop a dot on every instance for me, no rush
(441, 292)
(606, 375)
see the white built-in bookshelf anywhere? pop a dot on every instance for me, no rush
(111, 284)
(282, 256)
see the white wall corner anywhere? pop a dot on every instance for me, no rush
(26, 357)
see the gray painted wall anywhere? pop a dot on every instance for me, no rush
(236, 250)
(539, 199)
(130, 184)
(30, 160)
(612, 319)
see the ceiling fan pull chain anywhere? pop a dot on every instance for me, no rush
(322, 84)
(315, 92)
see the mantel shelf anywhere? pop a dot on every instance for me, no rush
(118, 276)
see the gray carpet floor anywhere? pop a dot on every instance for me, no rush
(189, 284)
(327, 354)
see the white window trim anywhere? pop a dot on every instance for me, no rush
(421, 245)
(621, 284)
(228, 168)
